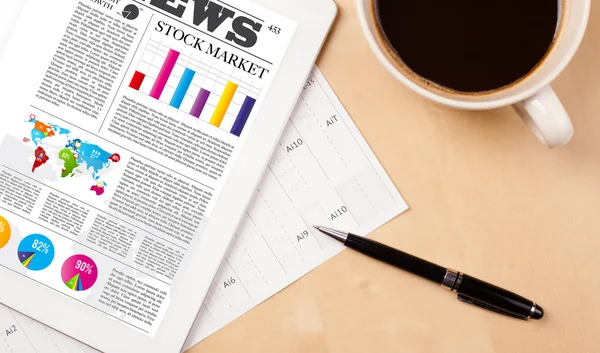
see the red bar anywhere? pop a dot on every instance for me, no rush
(136, 81)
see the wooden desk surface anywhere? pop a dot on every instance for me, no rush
(486, 198)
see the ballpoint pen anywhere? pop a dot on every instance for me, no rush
(469, 289)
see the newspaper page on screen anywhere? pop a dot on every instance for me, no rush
(128, 117)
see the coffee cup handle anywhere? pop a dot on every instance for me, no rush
(545, 115)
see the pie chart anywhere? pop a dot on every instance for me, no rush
(79, 273)
(35, 252)
(4, 232)
(131, 12)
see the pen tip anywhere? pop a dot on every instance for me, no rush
(317, 227)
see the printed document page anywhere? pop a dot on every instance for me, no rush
(20, 334)
(128, 117)
(322, 173)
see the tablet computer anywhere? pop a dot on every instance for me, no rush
(133, 135)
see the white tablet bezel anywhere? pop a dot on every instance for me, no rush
(314, 18)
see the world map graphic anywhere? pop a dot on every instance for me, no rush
(76, 157)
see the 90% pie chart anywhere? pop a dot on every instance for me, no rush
(79, 273)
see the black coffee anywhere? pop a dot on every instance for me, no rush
(469, 45)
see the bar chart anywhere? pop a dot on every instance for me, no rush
(201, 88)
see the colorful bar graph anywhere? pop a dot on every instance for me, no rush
(223, 105)
(163, 75)
(182, 88)
(243, 115)
(137, 80)
(200, 102)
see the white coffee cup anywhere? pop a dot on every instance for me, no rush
(532, 98)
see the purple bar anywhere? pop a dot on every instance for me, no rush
(243, 115)
(200, 103)
(164, 74)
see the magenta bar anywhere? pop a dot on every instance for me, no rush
(164, 74)
(200, 103)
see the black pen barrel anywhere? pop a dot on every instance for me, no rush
(397, 258)
(488, 296)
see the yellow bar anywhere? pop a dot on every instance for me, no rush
(223, 105)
